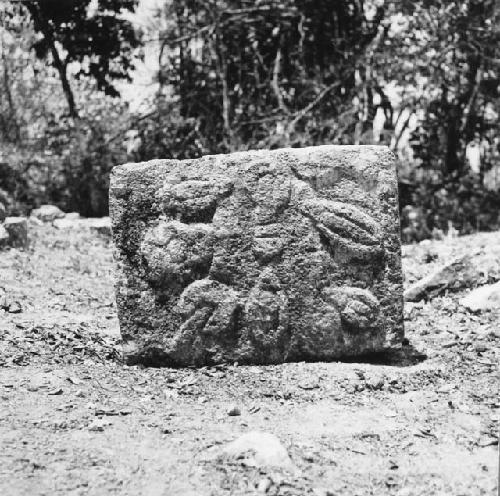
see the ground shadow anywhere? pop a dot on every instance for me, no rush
(406, 356)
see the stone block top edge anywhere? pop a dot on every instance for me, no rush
(381, 153)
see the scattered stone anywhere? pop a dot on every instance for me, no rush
(47, 213)
(446, 388)
(109, 412)
(66, 223)
(14, 307)
(101, 226)
(234, 248)
(264, 485)
(358, 386)
(4, 236)
(423, 432)
(3, 211)
(309, 385)
(454, 275)
(486, 441)
(483, 298)
(72, 216)
(481, 348)
(320, 491)
(96, 426)
(55, 392)
(259, 449)
(309, 456)
(17, 227)
(34, 222)
(391, 481)
(39, 380)
(4, 300)
(74, 380)
(375, 382)
(233, 411)
(430, 256)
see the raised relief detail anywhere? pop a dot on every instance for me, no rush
(261, 263)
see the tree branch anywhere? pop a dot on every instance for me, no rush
(60, 66)
(472, 99)
(275, 81)
(302, 113)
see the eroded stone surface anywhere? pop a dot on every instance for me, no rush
(47, 213)
(17, 227)
(258, 257)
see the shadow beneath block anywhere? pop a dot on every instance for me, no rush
(406, 356)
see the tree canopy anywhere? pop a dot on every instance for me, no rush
(101, 41)
(422, 77)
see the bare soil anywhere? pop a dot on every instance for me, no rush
(75, 420)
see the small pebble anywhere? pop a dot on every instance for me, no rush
(233, 411)
(308, 456)
(264, 485)
(55, 392)
(375, 382)
(320, 491)
(96, 426)
(14, 307)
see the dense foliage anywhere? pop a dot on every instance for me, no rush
(59, 106)
(101, 41)
(269, 74)
(420, 76)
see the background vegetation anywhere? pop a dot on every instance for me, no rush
(422, 77)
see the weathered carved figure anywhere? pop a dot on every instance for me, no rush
(259, 257)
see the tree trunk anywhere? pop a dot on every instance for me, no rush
(11, 122)
(58, 63)
(221, 66)
(452, 160)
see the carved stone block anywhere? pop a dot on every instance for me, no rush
(258, 257)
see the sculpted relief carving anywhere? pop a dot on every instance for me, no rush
(256, 264)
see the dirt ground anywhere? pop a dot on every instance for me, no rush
(75, 420)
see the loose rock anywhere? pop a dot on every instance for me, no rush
(96, 425)
(17, 227)
(483, 298)
(454, 275)
(259, 449)
(101, 226)
(264, 485)
(14, 307)
(66, 223)
(72, 216)
(47, 213)
(375, 381)
(4, 236)
(233, 411)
